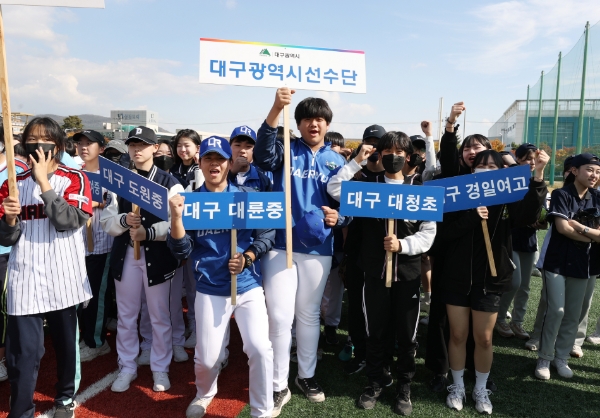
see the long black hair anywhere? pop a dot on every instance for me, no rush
(472, 139)
(184, 134)
(53, 132)
(484, 156)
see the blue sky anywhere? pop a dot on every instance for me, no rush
(143, 54)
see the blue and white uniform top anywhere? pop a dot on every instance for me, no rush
(210, 252)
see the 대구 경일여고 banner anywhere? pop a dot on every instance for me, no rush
(274, 65)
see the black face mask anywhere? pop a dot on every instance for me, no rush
(392, 163)
(415, 160)
(31, 147)
(373, 157)
(164, 162)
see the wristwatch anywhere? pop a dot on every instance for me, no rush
(585, 230)
(248, 261)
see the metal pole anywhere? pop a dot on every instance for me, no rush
(526, 125)
(464, 124)
(555, 130)
(582, 97)
(440, 131)
(538, 137)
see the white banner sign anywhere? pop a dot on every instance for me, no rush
(273, 65)
(99, 4)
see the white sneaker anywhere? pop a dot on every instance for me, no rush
(532, 344)
(562, 367)
(144, 358)
(179, 354)
(161, 381)
(191, 341)
(482, 401)
(456, 397)
(542, 369)
(576, 352)
(88, 353)
(3, 371)
(82, 344)
(123, 381)
(508, 315)
(197, 408)
(111, 324)
(594, 339)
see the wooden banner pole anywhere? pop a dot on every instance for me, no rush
(388, 257)
(233, 276)
(136, 244)
(288, 185)
(488, 247)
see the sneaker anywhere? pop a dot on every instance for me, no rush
(331, 335)
(387, 380)
(536, 273)
(111, 324)
(65, 411)
(280, 399)
(482, 401)
(224, 364)
(519, 331)
(3, 371)
(355, 365)
(179, 354)
(161, 381)
(369, 397)
(197, 408)
(403, 404)
(191, 341)
(121, 384)
(144, 358)
(438, 383)
(562, 367)
(542, 369)
(82, 344)
(594, 338)
(311, 389)
(346, 353)
(424, 320)
(532, 344)
(491, 385)
(508, 315)
(87, 353)
(576, 352)
(504, 329)
(456, 397)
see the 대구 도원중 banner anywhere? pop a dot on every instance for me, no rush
(274, 65)
(97, 4)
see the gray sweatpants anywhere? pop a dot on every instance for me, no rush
(519, 290)
(564, 297)
(585, 311)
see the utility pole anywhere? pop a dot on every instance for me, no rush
(582, 97)
(555, 130)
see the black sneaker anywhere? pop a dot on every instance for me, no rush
(369, 397)
(387, 378)
(438, 383)
(65, 411)
(311, 389)
(491, 385)
(403, 405)
(355, 365)
(280, 399)
(331, 335)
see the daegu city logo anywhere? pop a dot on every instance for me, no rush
(264, 53)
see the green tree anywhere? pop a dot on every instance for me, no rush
(72, 122)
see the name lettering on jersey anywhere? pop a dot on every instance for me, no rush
(310, 174)
(30, 212)
(205, 232)
(79, 198)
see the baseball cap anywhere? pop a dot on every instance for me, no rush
(568, 163)
(524, 149)
(118, 145)
(583, 159)
(418, 141)
(215, 144)
(141, 133)
(91, 135)
(245, 131)
(374, 131)
(310, 231)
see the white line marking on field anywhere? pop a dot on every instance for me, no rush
(88, 393)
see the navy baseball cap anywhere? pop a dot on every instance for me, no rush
(143, 134)
(524, 149)
(584, 159)
(374, 131)
(418, 142)
(311, 231)
(215, 144)
(568, 163)
(244, 131)
(93, 136)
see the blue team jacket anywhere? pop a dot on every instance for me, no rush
(210, 251)
(255, 179)
(311, 172)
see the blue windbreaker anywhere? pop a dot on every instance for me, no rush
(311, 172)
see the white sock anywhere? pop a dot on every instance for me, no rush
(480, 380)
(457, 377)
(427, 297)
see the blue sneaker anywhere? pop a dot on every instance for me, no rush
(346, 353)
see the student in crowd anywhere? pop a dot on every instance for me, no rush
(524, 243)
(58, 203)
(151, 274)
(298, 291)
(210, 252)
(67, 159)
(116, 151)
(163, 157)
(186, 144)
(93, 317)
(243, 170)
(568, 263)
(395, 310)
(20, 157)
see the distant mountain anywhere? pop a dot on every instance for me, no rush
(89, 121)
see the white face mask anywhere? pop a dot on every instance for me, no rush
(482, 170)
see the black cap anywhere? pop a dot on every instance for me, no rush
(584, 159)
(118, 145)
(418, 141)
(91, 135)
(568, 163)
(524, 149)
(374, 131)
(141, 133)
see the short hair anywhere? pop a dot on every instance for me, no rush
(53, 132)
(484, 156)
(70, 147)
(184, 134)
(335, 138)
(313, 107)
(280, 134)
(395, 139)
(472, 139)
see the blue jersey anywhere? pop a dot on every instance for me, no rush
(310, 173)
(210, 251)
(254, 178)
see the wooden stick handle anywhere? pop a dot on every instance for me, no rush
(90, 235)
(6, 116)
(233, 276)
(288, 186)
(388, 257)
(136, 244)
(488, 247)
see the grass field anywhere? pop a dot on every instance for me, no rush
(519, 393)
